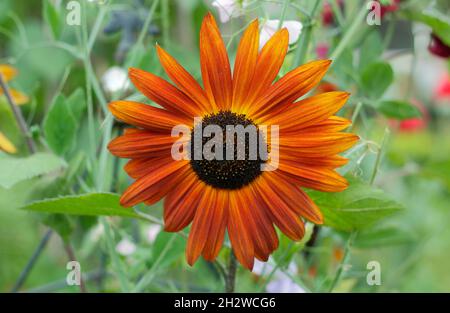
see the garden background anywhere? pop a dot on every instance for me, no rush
(59, 186)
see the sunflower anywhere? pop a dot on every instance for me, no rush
(234, 197)
(8, 72)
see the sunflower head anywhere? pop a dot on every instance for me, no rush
(238, 195)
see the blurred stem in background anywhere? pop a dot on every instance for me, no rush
(230, 281)
(305, 37)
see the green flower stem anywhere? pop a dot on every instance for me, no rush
(148, 277)
(118, 266)
(305, 38)
(355, 115)
(32, 261)
(165, 21)
(379, 155)
(277, 265)
(283, 13)
(230, 278)
(349, 35)
(337, 12)
(340, 270)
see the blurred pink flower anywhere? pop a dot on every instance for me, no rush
(328, 14)
(322, 50)
(392, 7)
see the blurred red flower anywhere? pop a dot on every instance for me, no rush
(438, 47)
(418, 123)
(442, 90)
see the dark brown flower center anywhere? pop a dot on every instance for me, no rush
(238, 165)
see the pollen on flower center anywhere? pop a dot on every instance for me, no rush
(228, 173)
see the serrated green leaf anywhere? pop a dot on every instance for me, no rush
(52, 18)
(14, 170)
(91, 204)
(77, 103)
(400, 110)
(356, 208)
(60, 126)
(376, 78)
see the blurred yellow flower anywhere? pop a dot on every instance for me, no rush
(6, 145)
(8, 72)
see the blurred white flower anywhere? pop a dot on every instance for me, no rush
(151, 232)
(97, 232)
(281, 281)
(115, 79)
(270, 27)
(126, 247)
(229, 8)
(284, 285)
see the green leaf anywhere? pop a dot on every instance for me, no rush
(439, 22)
(371, 49)
(77, 103)
(60, 126)
(383, 237)
(175, 251)
(400, 110)
(14, 170)
(357, 207)
(52, 18)
(91, 204)
(376, 78)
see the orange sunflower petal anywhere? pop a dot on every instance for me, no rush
(240, 236)
(332, 124)
(142, 144)
(205, 217)
(308, 112)
(137, 168)
(283, 214)
(332, 161)
(183, 79)
(269, 63)
(296, 198)
(316, 144)
(141, 189)
(217, 228)
(168, 96)
(263, 233)
(162, 188)
(180, 204)
(290, 87)
(215, 66)
(323, 179)
(245, 64)
(146, 116)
